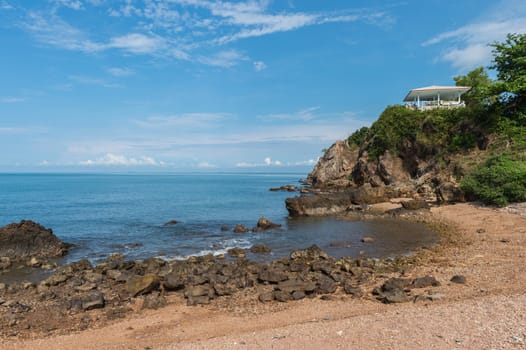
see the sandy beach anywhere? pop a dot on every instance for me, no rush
(485, 245)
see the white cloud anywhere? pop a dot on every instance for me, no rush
(302, 115)
(93, 81)
(111, 159)
(183, 121)
(4, 5)
(120, 72)
(259, 66)
(206, 165)
(468, 46)
(136, 43)
(11, 99)
(190, 30)
(224, 59)
(72, 4)
(246, 165)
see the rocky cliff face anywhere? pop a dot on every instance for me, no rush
(353, 178)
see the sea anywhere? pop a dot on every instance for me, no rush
(103, 214)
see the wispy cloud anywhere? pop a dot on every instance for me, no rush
(11, 99)
(468, 46)
(93, 81)
(4, 5)
(183, 121)
(303, 115)
(190, 30)
(111, 159)
(120, 72)
(259, 66)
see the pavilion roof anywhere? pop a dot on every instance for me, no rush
(430, 93)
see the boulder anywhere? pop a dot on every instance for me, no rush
(295, 285)
(138, 285)
(260, 248)
(266, 224)
(288, 188)
(94, 300)
(415, 204)
(5, 263)
(426, 281)
(171, 223)
(240, 229)
(458, 279)
(175, 280)
(448, 192)
(272, 275)
(153, 301)
(27, 239)
(310, 254)
(237, 253)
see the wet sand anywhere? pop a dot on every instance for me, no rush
(487, 246)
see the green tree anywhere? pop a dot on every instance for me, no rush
(480, 84)
(510, 62)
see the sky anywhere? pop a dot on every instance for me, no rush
(204, 85)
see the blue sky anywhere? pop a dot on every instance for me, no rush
(167, 85)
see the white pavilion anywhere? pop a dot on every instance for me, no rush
(431, 97)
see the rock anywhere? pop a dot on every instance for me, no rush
(282, 296)
(228, 288)
(153, 301)
(297, 295)
(353, 290)
(334, 167)
(200, 300)
(5, 263)
(340, 244)
(34, 262)
(312, 253)
(458, 279)
(448, 192)
(175, 280)
(367, 240)
(237, 253)
(266, 224)
(266, 297)
(272, 275)
(415, 204)
(325, 285)
(260, 248)
(138, 285)
(288, 188)
(114, 274)
(296, 285)
(92, 301)
(240, 229)
(423, 282)
(395, 284)
(55, 279)
(27, 239)
(225, 228)
(338, 202)
(198, 291)
(171, 223)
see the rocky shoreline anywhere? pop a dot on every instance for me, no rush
(66, 300)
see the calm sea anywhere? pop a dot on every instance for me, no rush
(115, 213)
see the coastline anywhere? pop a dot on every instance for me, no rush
(487, 246)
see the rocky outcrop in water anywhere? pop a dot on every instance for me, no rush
(27, 239)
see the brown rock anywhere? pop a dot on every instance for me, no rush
(138, 285)
(240, 229)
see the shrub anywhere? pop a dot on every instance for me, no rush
(500, 180)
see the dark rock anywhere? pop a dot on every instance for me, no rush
(423, 282)
(114, 274)
(297, 295)
(393, 284)
(266, 297)
(353, 290)
(237, 252)
(325, 285)
(28, 239)
(282, 296)
(228, 288)
(393, 296)
(260, 248)
(240, 229)
(175, 280)
(266, 224)
(55, 279)
(295, 285)
(341, 244)
(5, 263)
(312, 253)
(154, 301)
(225, 228)
(288, 188)
(171, 223)
(415, 204)
(458, 279)
(272, 275)
(138, 285)
(92, 301)
(448, 192)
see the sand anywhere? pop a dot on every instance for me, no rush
(486, 245)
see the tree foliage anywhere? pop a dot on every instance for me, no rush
(480, 84)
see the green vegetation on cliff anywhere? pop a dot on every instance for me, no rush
(492, 125)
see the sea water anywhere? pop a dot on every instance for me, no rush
(127, 213)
